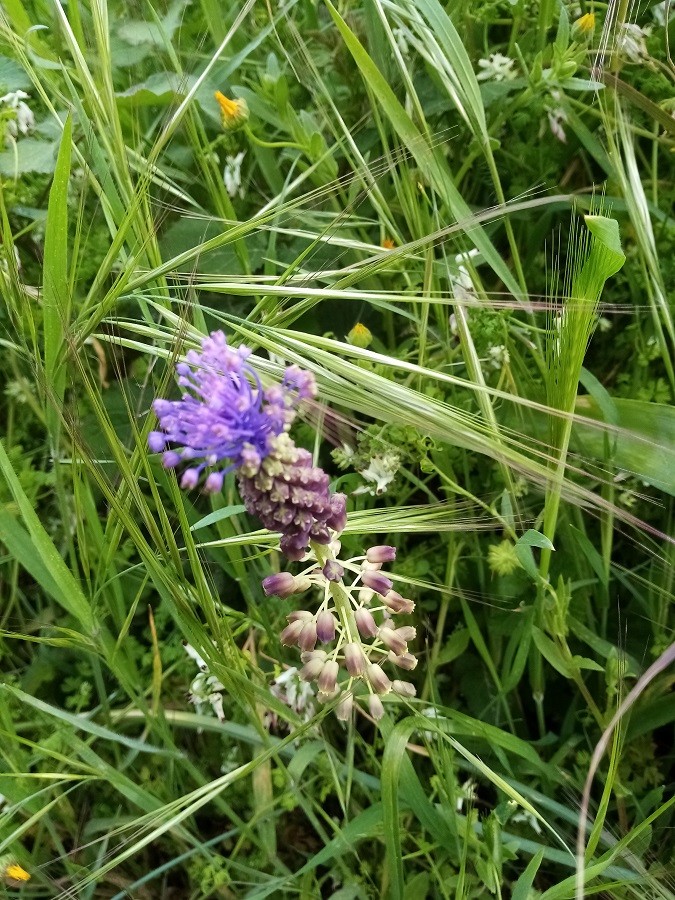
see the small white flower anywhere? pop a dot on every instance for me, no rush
(295, 693)
(467, 791)
(206, 689)
(380, 472)
(232, 174)
(556, 117)
(528, 819)
(498, 356)
(631, 41)
(497, 67)
(462, 285)
(24, 120)
(192, 653)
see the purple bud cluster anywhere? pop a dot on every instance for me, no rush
(290, 495)
(354, 624)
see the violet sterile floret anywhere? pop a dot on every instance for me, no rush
(223, 420)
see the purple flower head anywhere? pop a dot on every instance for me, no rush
(224, 420)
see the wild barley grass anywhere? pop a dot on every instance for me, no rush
(435, 242)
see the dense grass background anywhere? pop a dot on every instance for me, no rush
(403, 213)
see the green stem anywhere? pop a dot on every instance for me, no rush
(342, 605)
(272, 145)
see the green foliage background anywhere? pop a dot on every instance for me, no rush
(503, 233)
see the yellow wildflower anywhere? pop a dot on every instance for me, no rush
(388, 244)
(11, 872)
(584, 27)
(233, 113)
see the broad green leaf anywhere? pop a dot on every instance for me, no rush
(552, 653)
(533, 538)
(645, 441)
(12, 76)
(30, 155)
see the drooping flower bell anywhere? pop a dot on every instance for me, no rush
(226, 421)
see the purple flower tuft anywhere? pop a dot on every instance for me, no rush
(224, 419)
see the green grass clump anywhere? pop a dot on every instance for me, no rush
(459, 218)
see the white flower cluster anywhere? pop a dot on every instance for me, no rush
(631, 42)
(22, 121)
(205, 690)
(232, 174)
(497, 67)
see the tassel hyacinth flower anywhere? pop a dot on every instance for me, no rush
(226, 421)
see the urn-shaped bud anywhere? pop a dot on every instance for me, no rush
(344, 709)
(376, 582)
(398, 604)
(355, 661)
(365, 622)
(303, 615)
(308, 655)
(378, 680)
(406, 633)
(382, 553)
(405, 661)
(324, 697)
(403, 688)
(312, 669)
(375, 706)
(307, 637)
(289, 636)
(328, 678)
(392, 640)
(281, 584)
(325, 626)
